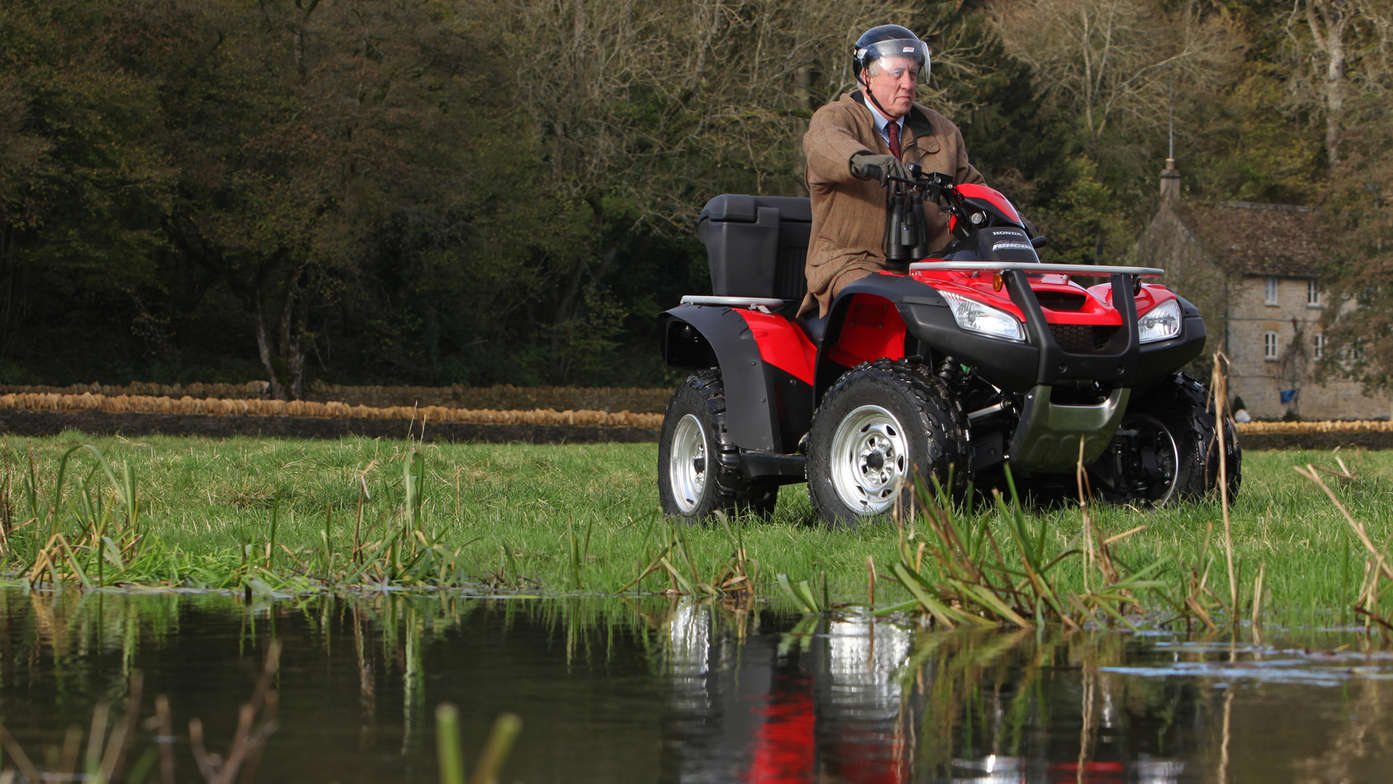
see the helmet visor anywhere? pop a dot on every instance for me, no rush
(898, 54)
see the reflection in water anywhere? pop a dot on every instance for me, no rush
(684, 691)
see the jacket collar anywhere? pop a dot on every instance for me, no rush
(916, 120)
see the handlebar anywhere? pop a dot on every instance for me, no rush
(937, 186)
(970, 209)
(906, 235)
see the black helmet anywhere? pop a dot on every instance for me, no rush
(886, 41)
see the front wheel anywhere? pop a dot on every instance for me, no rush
(881, 426)
(1167, 449)
(698, 467)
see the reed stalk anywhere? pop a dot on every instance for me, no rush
(1378, 570)
(973, 576)
(1219, 390)
(275, 524)
(579, 550)
(449, 755)
(102, 757)
(506, 729)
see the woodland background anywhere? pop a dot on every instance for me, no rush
(477, 192)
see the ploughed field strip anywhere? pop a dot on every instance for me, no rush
(46, 413)
(136, 404)
(498, 397)
(38, 413)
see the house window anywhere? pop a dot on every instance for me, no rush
(1318, 345)
(1269, 345)
(1312, 294)
(1270, 292)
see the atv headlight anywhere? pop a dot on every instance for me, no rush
(1161, 322)
(973, 316)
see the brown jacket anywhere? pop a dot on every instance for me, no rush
(848, 213)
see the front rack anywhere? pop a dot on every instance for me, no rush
(1034, 268)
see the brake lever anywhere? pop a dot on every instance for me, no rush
(933, 184)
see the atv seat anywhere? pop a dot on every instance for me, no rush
(815, 327)
(756, 246)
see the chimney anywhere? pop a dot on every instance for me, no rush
(1170, 182)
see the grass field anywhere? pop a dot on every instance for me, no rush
(264, 515)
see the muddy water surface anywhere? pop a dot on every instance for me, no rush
(670, 691)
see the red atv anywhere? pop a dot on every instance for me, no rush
(949, 368)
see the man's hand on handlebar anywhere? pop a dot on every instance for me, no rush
(870, 166)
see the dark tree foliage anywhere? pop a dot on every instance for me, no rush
(432, 192)
(82, 187)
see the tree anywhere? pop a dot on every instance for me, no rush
(1118, 63)
(1332, 33)
(303, 128)
(406, 191)
(82, 185)
(1113, 73)
(1122, 72)
(1358, 203)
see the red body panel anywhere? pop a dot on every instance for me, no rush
(873, 329)
(1097, 308)
(782, 344)
(1149, 297)
(992, 196)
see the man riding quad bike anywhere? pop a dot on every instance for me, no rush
(941, 370)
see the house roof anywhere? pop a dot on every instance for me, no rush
(1249, 238)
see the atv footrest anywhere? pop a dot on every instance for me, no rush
(793, 468)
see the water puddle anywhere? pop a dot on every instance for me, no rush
(665, 690)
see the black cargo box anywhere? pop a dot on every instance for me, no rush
(756, 245)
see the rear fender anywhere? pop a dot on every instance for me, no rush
(765, 363)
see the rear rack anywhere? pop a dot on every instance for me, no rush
(753, 303)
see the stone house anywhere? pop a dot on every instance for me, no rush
(1254, 272)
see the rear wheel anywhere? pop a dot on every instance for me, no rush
(1167, 449)
(698, 467)
(881, 426)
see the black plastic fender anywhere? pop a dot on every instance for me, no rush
(702, 336)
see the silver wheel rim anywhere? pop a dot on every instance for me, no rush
(1149, 429)
(686, 467)
(869, 460)
(1169, 440)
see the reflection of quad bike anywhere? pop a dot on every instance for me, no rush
(946, 369)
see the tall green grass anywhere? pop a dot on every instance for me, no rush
(963, 572)
(279, 516)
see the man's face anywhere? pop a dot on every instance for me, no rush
(893, 84)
